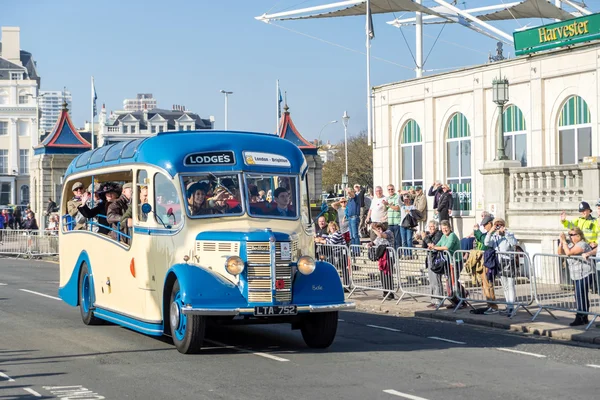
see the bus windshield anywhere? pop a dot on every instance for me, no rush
(272, 196)
(212, 194)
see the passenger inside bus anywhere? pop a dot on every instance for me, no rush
(115, 213)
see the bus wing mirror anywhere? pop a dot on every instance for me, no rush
(146, 208)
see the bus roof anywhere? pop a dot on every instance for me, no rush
(198, 151)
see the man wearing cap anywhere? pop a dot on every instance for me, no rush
(585, 222)
(117, 209)
(475, 261)
(73, 206)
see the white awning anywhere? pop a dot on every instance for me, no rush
(529, 9)
(377, 7)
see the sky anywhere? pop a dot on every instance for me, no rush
(185, 51)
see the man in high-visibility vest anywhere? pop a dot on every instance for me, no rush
(588, 224)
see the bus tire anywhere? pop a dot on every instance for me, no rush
(319, 329)
(85, 297)
(187, 331)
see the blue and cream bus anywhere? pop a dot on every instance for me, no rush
(217, 227)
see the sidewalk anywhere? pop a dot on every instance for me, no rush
(544, 324)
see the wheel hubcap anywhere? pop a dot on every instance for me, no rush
(178, 320)
(174, 315)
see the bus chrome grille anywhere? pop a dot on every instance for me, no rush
(260, 281)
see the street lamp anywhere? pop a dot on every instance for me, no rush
(500, 97)
(226, 93)
(345, 119)
(321, 131)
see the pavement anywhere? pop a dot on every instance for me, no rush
(544, 325)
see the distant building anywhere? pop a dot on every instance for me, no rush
(327, 152)
(50, 103)
(141, 102)
(127, 125)
(19, 83)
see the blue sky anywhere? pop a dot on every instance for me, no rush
(184, 52)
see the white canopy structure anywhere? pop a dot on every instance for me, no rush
(475, 19)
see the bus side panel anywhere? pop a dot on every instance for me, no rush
(323, 286)
(202, 287)
(69, 292)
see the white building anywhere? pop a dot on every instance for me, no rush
(126, 125)
(50, 104)
(141, 102)
(19, 83)
(327, 152)
(444, 127)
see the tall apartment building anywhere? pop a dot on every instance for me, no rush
(19, 83)
(51, 104)
(141, 102)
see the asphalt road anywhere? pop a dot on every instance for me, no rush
(46, 352)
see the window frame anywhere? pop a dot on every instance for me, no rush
(22, 170)
(297, 199)
(460, 178)
(575, 129)
(512, 135)
(4, 165)
(216, 174)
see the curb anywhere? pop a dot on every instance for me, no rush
(533, 328)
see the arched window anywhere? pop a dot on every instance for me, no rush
(458, 163)
(515, 135)
(3, 97)
(25, 194)
(412, 155)
(574, 131)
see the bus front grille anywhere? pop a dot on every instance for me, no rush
(260, 281)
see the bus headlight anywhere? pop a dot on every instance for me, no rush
(306, 265)
(234, 265)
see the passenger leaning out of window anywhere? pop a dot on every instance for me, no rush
(79, 221)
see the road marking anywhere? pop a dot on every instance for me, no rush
(340, 320)
(445, 340)
(73, 392)
(3, 284)
(593, 366)
(405, 395)
(3, 375)
(39, 294)
(265, 355)
(384, 328)
(521, 352)
(33, 392)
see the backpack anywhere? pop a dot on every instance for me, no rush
(376, 252)
(438, 262)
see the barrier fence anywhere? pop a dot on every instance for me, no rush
(27, 243)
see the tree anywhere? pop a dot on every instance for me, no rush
(360, 164)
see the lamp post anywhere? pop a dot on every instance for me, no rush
(345, 119)
(500, 97)
(226, 93)
(321, 131)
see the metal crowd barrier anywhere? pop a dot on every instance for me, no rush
(367, 276)
(509, 286)
(27, 243)
(555, 288)
(416, 279)
(338, 256)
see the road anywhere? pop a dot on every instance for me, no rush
(46, 352)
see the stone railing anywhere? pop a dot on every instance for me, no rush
(113, 129)
(559, 187)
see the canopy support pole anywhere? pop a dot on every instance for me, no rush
(419, 41)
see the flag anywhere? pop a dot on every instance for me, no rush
(280, 101)
(370, 30)
(95, 97)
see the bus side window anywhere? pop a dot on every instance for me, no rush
(142, 194)
(166, 201)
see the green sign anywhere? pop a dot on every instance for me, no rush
(564, 33)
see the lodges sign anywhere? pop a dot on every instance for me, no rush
(564, 33)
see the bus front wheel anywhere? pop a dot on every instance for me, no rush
(318, 330)
(187, 330)
(85, 297)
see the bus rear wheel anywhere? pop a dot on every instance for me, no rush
(187, 330)
(85, 296)
(318, 330)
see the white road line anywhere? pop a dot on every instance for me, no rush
(340, 320)
(405, 395)
(40, 294)
(265, 355)
(33, 392)
(3, 375)
(445, 340)
(384, 328)
(593, 366)
(3, 284)
(522, 352)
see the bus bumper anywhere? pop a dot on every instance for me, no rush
(250, 310)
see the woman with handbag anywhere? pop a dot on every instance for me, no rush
(502, 240)
(433, 236)
(384, 239)
(450, 243)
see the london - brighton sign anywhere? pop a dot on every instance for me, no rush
(559, 34)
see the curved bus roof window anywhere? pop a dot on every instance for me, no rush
(115, 151)
(84, 159)
(131, 148)
(99, 154)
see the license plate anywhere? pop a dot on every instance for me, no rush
(275, 310)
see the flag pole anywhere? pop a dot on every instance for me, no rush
(92, 115)
(278, 108)
(370, 137)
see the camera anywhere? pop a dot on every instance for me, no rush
(498, 227)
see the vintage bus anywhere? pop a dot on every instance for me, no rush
(215, 227)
